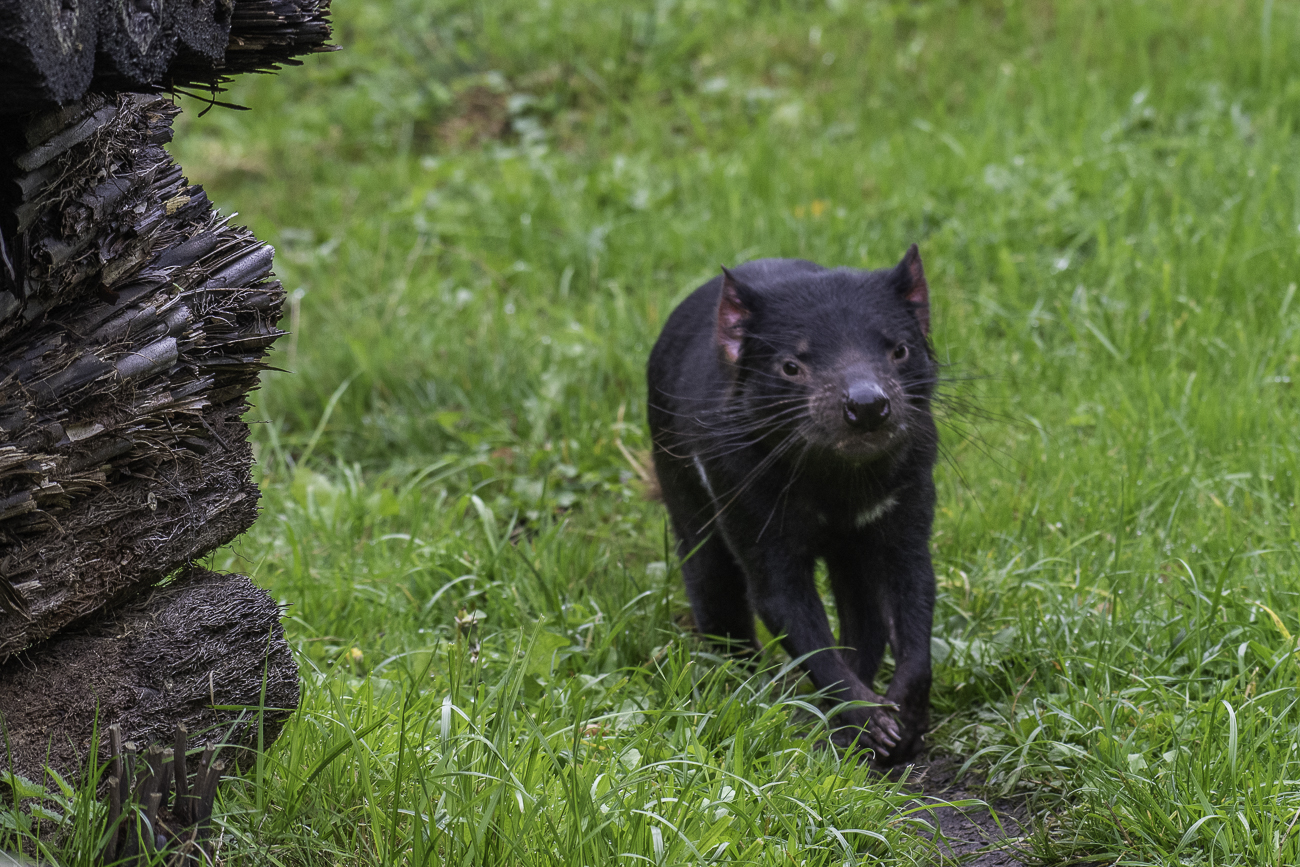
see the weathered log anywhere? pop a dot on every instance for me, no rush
(51, 51)
(88, 188)
(133, 322)
(186, 653)
(268, 34)
(47, 52)
(202, 27)
(134, 45)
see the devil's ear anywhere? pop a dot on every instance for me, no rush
(909, 280)
(734, 307)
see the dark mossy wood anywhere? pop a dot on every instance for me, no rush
(190, 652)
(268, 34)
(47, 52)
(135, 46)
(201, 27)
(134, 320)
(52, 51)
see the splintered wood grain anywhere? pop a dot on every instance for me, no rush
(50, 53)
(134, 320)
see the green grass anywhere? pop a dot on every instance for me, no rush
(489, 209)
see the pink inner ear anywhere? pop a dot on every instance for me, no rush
(919, 291)
(730, 328)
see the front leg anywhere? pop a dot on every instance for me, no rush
(863, 630)
(783, 590)
(910, 614)
(884, 589)
(715, 583)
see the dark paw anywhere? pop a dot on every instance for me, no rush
(903, 751)
(877, 730)
(882, 729)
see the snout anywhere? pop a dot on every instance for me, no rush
(866, 406)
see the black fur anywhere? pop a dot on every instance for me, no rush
(787, 428)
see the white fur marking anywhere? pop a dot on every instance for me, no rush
(876, 512)
(704, 477)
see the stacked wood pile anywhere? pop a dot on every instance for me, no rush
(139, 323)
(134, 321)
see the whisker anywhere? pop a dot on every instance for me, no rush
(724, 410)
(783, 498)
(771, 458)
(724, 441)
(722, 425)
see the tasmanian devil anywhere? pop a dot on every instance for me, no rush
(789, 406)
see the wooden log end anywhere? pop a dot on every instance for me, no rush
(122, 377)
(203, 642)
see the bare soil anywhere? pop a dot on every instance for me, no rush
(990, 835)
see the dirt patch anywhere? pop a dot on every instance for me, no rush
(992, 835)
(480, 115)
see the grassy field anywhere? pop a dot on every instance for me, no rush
(485, 212)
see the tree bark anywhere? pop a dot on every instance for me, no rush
(134, 321)
(201, 27)
(186, 653)
(266, 34)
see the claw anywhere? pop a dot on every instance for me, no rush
(879, 731)
(886, 729)
(893, 742)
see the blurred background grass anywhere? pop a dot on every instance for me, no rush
(485, 211)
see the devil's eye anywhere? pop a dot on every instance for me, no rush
(790, 368)
(900, 352)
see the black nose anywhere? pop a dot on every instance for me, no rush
(865, 406)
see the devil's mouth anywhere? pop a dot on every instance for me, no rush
(869, 444)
